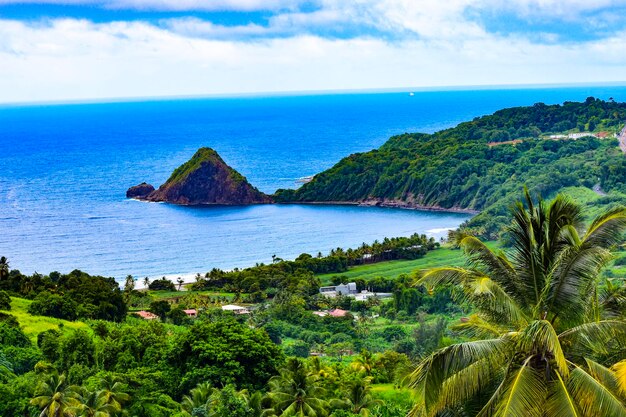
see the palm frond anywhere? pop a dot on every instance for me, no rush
(430, 376)
(560, 402)
(593, 398)
(541, 337)
(593, 337)
(525, 393)
(607, 229)
(620, 375)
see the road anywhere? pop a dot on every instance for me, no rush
(622, 139)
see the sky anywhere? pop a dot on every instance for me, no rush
(56, 50)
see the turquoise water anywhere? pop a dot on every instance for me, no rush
(64, 170)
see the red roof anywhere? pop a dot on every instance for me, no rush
(191, 312)
(147, 315)
(337, 312)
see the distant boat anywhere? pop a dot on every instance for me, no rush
(411, 94)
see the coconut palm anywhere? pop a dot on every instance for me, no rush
(296, 392)
(364, 362)
(55, 397)
(358, 399)
(92, 404)
(113, 391)
(199, 397)
(4, 267)
(540, 319)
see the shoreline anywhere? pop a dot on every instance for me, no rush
(397, 204)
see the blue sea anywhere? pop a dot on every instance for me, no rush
(64, 170)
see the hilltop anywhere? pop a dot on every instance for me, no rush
(482, 165)
(204, 179)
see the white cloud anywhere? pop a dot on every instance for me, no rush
(77, 59)
(175, 5)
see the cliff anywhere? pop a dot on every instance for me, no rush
(203, 180)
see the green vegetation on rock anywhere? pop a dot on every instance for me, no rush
(470, 167)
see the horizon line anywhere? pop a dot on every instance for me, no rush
(304, 93)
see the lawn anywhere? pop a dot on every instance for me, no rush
(33, 325)
(444, 256)
(175, 295)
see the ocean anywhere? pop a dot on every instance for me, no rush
(64, 170)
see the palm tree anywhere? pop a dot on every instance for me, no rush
(199, 397)
(146, 282)
(539, 319)
(92, 404)
(4, 267)
(358, 399)
(364, 362)
(296, 392)
(113, 391)
(55, 397)
(129, 283)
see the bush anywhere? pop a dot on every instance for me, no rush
(53, 305)
(5, 301)
(298, 348)
(162, 285)
(160, 308)
(12, 336)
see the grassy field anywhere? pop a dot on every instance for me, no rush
(33, 325)
(176, 295)
(444, 256)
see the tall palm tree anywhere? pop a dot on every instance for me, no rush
(540, 322)
(55, 397)
(199, 397)
(92, 404)
(4, 267)
(296, 392)
(364, 362)
(358, 399)
(113, 391)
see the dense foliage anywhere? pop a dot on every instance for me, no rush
(548, 334)
(72, 296)
(456, 168)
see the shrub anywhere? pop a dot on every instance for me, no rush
(162, 285)
(5, 301)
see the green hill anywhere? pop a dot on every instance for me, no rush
(33, 325)
(482, 165)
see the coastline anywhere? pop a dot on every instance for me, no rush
(399, 204)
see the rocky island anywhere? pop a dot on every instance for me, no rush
(203, 180)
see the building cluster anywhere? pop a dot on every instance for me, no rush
(350, 290)
(193, 313)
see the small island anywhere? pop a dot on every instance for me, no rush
(203, 180)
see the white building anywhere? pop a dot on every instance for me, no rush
(348, 289)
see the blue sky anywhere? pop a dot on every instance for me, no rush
(92, 49)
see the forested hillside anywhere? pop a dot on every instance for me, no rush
(483, 164)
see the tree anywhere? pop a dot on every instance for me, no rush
(540, 321)
(146, 282)
(129, 284)
(358, 399)
(180, 282)
(113, 391)
(364, 362)
(92, 404)
(296, 392)
(198, 398)
(54, 397)
(5, 301)
(160, 308)
(4, 268)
